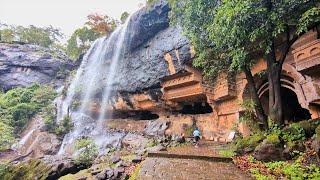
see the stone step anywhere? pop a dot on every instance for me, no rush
(196, 157)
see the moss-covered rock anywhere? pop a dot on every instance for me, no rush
(33, 169)
(249, 143)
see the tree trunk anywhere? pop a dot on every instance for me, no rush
(254, 94)
(274, 79)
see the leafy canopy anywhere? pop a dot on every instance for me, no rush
(95, 27)
(42, 36)
(230, 33)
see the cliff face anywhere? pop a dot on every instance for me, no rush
(151, 43)
(22, 65)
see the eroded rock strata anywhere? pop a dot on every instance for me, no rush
(24, 64)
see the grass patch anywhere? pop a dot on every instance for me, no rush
(135, 173)
(227, 153)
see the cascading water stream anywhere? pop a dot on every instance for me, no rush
(98, 69)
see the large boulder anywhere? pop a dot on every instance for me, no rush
(134, 141)
(268, 152)
(156, 128)
(24, 64)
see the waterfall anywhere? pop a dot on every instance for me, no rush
(95, 75)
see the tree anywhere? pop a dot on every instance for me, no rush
(80, 41)
(102, 24)
(95, 27)
(7, 35)
(42, 36)
(124, 17)
(237, 32)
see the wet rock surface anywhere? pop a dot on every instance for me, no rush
(156, 128)
(134, 141)
(151, 39)
(22, 65)
(185, 169)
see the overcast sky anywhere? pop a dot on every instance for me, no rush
(67, 15)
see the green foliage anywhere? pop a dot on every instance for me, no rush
(151, 2)
(294, 170)
(293, 133)
(189, 131)
(250, 141)
(256, 174)
(135, 173)
(3, 169)
(49, 117)
(18, 105)
(233, 34)
(273, 138)
(6, 136)
(195, 16)
(124, 17)
(318, 131)
(64, 126)
(227, 153)
(7, 35)
(287, 170)
(42, 36)
(87, 151)
(33, 169)
(82, 38)
(80, 41)
(248, 115)
(309, 126)
(308, 19)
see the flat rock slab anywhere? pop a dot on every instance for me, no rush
(185, 169)
(206, 148)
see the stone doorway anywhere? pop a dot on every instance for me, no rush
(196, 108)
(292, 109)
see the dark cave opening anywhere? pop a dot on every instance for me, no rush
(292, 110)
(196, 108)
(136, 115)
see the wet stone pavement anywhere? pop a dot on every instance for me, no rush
(186, 169)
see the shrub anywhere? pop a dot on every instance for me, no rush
(293, 133)
(49, 117)
(19, 105)
(64, 126)
(294, 170)
(273, 138)
(257, 174)
(32, 169)
(87, 151)
(309, 126)
(189, 131)
(227, 153)
(317, 131)
(21, 114)
(248, 115)
(6, 136)
(3, 169)
(250, 141)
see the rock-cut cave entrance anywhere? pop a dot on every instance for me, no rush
(135, 115)
(292, 110)
(196, 108)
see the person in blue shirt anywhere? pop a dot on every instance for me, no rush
(196, 135)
